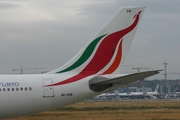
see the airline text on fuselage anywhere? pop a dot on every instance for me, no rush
(9, 84)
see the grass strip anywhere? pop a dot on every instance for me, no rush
(106, 108)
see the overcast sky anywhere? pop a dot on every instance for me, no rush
(48, 33)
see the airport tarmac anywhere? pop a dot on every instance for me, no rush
(114, 110)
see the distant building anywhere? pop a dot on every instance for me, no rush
(150, 85)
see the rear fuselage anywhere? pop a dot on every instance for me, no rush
(28, 94)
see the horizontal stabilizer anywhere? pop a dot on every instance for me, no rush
(99, 83)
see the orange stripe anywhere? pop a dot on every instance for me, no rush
(116, 62)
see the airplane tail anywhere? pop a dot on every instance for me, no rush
(107, 50)
(177, 88)
(156, 89)
(116, 92)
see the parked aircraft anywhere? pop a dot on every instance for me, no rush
(148, 93)
(127, 95)
(173, 95)
(94, 70)
(140, 95)
(155, 93)
(105, 96)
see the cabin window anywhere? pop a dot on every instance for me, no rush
(8, 89)
(17, 89)
(4, 89)
(30, 88)
(25, 88)
(21, 89)
(12, 89)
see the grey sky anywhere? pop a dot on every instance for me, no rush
(48, 33)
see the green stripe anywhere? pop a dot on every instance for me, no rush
(87, 53)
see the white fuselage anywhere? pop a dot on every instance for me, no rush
(101, 57)
(27, 94)
(152, 93)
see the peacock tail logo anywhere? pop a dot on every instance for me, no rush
(86, 54)
(103, 55)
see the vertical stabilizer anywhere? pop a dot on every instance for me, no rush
(107, 50)
(156, 89)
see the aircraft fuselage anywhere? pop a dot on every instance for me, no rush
(28, 94)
